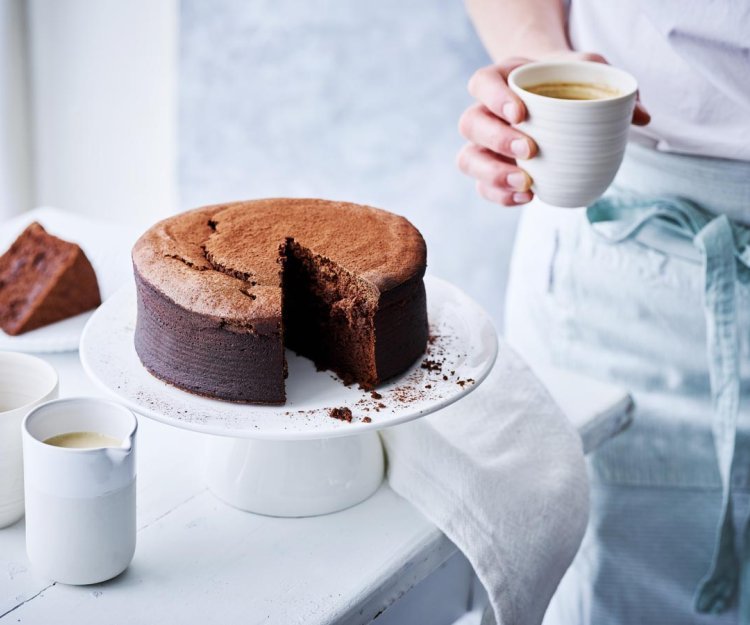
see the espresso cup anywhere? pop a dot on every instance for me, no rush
(25, 381)
(581, 141)
(80, 502)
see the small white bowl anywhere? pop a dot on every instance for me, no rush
(25, 381)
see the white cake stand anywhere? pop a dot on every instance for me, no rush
(296, 459)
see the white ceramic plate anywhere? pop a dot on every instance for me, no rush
(462, 350)
(62, 336)
(108, 248)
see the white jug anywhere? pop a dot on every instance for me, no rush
(80, 503)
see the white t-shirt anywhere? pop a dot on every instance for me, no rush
(692, 62)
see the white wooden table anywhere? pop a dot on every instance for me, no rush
(200, 561)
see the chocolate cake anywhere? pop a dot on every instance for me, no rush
(44, 279)
(222, 289)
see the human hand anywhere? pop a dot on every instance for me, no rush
(493, 144)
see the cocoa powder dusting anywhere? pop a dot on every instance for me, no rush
(425, 382)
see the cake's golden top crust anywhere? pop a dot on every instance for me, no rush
(223, 260)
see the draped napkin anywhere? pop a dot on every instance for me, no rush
(501, 473)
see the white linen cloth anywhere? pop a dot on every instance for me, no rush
(502, 474)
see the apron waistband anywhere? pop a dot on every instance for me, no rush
(719, 186)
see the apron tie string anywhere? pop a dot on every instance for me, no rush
(725, 248)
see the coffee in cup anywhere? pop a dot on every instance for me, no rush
(574, 90)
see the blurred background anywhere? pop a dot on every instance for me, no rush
(132, 110)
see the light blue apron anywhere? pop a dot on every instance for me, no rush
(725, 248)
(651, 291)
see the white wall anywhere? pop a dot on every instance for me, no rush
(15, 147)
(357, 101)
(104, 107)
(347, 100)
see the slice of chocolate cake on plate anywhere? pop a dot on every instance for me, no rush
(44, 279)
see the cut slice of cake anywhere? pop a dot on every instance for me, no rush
(344, 323)
(329, 315)
(44, 279)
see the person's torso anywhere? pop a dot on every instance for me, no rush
(692, 63)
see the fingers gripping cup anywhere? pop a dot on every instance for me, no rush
(25, 381)
(579, 115)
(79, 463)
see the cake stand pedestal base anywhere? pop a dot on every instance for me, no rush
(294, 478)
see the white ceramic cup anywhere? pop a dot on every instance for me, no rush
(581, 142)
(25, 381)
(80, 503)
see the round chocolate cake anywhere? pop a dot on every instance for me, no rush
(223, 289)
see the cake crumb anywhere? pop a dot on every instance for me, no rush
(342, 414)
(366, 420)
(375, 395)
(431, 365)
